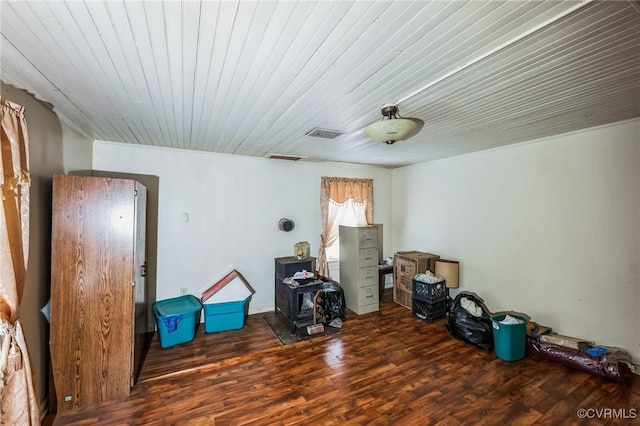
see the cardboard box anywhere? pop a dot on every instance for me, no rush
(406, 265)
(566, 341)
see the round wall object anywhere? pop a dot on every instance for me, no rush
(286, 225)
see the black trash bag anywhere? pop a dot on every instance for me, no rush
(333, 301)
(470, 328)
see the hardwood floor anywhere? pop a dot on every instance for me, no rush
(383, 368)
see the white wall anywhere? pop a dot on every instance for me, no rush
(234, 205)
(550, 228)
(77, 149)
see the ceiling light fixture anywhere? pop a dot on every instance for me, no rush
(392, 128)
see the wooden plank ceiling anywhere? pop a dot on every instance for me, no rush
(252, 78)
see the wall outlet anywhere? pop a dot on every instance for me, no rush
(183, 291)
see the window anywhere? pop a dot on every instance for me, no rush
(347, 213)
(343, 201)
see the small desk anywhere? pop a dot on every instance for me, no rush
(383, 271)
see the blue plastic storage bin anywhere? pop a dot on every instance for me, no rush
(177, 319)
(224, 316)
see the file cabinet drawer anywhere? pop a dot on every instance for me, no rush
(368, 276)
(368, 257)
(368, 295)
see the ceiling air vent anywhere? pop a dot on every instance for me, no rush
(323, 133)
(284, 157)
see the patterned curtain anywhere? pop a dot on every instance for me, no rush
(19, 404)
(340, 191)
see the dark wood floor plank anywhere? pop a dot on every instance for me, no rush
(380, 369)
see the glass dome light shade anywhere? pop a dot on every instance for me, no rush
(390, 130)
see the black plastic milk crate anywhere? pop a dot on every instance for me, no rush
(427, 292)
(429, 311)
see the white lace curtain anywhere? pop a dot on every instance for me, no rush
(336, 195)
(19, 404)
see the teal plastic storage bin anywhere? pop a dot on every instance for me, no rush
(509, 340)
(177, 320)
(224, 316)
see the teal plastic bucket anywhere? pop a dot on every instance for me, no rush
(509, 340)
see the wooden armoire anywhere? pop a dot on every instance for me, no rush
(98, 298)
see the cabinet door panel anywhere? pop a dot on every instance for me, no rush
(91, 289)
(139, 276)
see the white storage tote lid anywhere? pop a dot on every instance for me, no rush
(232, 287)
